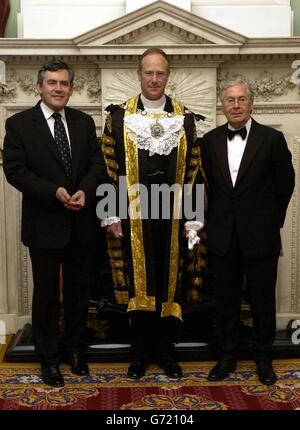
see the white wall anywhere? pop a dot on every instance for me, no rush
(70, 18)
(132, 5)
(65, 18)
(252, 18)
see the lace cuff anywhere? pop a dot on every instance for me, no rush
(193, 239)
(109, 220)
(193, 225)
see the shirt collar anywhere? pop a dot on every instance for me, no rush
(153, 104)
(48, 112)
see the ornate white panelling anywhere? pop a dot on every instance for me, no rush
(3, 256)
(159, 32)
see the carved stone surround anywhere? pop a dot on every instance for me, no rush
(103, 79)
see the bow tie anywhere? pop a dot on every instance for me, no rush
(241, 131)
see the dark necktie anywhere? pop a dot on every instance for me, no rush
(61, 140)
(241, 131)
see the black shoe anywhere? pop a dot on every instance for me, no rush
(78, 363)
(265, 372)
(137, 369)
(222, 369)
(51, 376)
(170, 367)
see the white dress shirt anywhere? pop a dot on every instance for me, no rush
(48, 112)
(235, 151)
(154, 106)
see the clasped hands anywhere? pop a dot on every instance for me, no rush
(73, 203)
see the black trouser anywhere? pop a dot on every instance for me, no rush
(261, 276)
(153, 337)
(78, 270)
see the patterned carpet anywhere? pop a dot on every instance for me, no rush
(108, 388)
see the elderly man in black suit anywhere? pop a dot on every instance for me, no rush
(251, 180)
(52, 157)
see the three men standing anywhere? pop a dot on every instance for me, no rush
(51, 155)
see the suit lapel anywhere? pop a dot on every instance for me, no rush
(253, 144)
(222, 154)
(74, 133)
(43, 131)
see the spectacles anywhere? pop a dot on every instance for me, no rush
(240, 100)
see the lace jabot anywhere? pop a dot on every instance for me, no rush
(156, 133)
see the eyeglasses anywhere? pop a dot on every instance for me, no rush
(240, 100)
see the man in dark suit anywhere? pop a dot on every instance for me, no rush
(251, 179)
(51, 156)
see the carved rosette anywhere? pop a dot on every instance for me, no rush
(8, 92)
(160, 26)
(265, 86)
(89, 82)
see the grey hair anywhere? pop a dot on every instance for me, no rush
(236, 80)
(54, 66)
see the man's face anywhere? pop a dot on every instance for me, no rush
(237, 106)
(56, 89)
(154, 76)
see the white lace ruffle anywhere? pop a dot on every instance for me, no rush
(109, 220)
(193, 225)
(139, 128)
(193, 238)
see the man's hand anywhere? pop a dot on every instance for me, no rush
(62, 195)
(76, 201)
(115, 230)
(73, 203)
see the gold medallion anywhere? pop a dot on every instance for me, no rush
(157, 130)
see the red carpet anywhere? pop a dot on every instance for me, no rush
(108, 389)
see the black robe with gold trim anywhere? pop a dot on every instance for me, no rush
(147, 263)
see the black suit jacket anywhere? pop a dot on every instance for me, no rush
(257, 204)
(32, 165)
